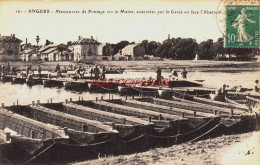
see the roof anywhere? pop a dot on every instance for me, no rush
(71, 48)
(10, 38)
(49, 50)
(27, 51)
(129, 47)
(51, 46)
(86, 41)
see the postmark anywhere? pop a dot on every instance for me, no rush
(241, 25)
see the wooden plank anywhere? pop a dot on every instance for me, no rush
(179, 89)
(253, 99)
(194, 106)
(108, 114)
(138, 110)
(73, 118)
(48, 127)
(221, 104)
(167, 109)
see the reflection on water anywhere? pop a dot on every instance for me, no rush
(25, 95)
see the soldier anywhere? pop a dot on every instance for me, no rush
(3, 69)
(174, 73)
(27, 70)
(256, 88)
(96, 72)
(39, 69)
(184, 73)
(12, 69)
(103, 72)
(77, 72)
(57, 68)
(159, 74)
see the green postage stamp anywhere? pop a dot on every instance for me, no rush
(242, 26)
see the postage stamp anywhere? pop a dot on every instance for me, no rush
(242, 26)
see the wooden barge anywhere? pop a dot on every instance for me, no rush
(87, 138)
(26, 138)
(167, 89)
(173, 87)
(120, 126)
(240, 119)
(127, 126)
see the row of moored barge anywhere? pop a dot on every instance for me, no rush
(146, 88)
(84, 129)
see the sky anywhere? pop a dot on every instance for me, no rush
(110, 27)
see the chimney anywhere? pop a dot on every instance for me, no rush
(13, 35)
(169, 37)
(79, 37)
(26, 46)
(92, 37)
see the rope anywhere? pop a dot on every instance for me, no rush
(40, 153)
(209, 130)
(178, 131)
(134, 138)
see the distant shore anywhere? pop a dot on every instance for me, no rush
(203, 65)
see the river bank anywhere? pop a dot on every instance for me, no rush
(203, 65)
(233, 149)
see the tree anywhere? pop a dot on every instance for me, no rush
(205, 50)
(120, 45)
(186, 48)
(69, 43)
(218, 48)
(149, 47)
(180, 48)
(152, 46)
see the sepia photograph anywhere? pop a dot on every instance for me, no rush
(142, 82)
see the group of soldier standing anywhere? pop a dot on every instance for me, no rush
(173, 74)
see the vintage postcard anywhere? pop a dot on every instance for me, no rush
(129, 82)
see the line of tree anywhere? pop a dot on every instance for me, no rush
(187, 48)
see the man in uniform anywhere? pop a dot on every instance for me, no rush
(27, 70)
(159, 74)
(96, 72)
(256, 88)
(184, 73)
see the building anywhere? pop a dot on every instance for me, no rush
(85, 47)
(9, 47)
(100, 49)
(108, 50)
(55, 52)
(28, 55)
(133, 51)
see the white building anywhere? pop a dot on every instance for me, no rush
(85, 47)
(100, 49)
(133, 50)
(26, 55)
(56, 52)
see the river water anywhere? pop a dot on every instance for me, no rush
(25, 95)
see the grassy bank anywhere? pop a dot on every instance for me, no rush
(211, 151)
(151, 65)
